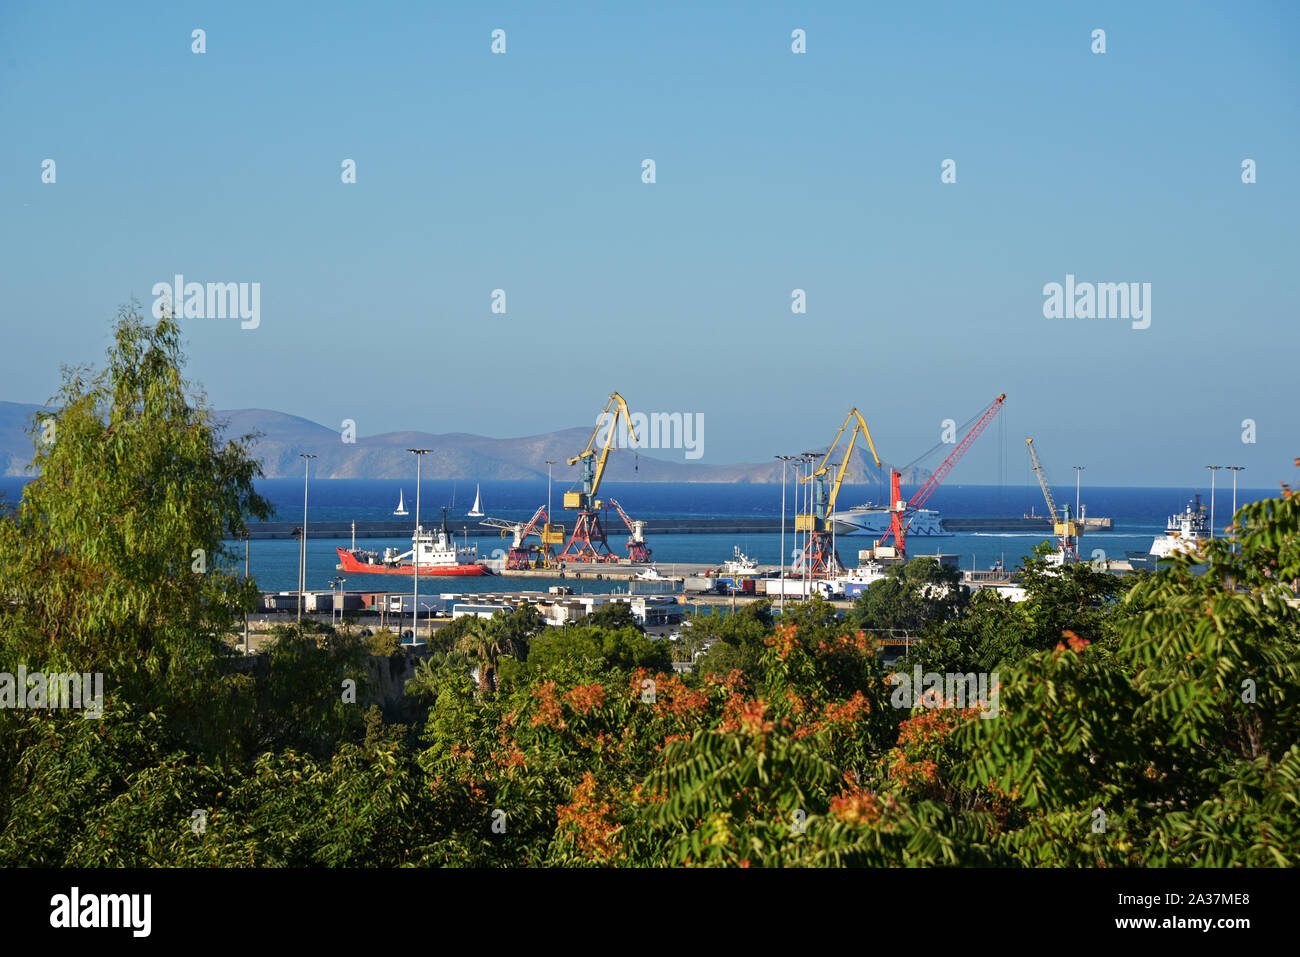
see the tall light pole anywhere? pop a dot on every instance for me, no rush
(810, 458)
(784, 460)
(1213, 469)
(549, 517)
(794, 506)
(302, 541)
(415, 551)
(797, 508)
(1234, 469)
(1078, 473)
(834, 555)
(334, 585)
(806, 571)
(246, 556)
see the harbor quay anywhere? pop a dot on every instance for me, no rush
(655, 601)
(668, 526)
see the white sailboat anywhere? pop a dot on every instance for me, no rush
(401, 504)
(477, 510)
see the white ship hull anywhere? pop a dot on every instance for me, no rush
(874, 520)
(1184, 533)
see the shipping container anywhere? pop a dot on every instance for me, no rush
(801, 588)
(284, 601)
(700, 583)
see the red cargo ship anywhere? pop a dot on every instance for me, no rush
(438, 555)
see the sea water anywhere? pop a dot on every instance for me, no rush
(1139, 515)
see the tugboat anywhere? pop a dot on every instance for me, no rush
(738, 570)
(1183, 533)
(859, 579)
(438, 553)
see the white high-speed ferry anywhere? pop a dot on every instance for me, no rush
(872, 519)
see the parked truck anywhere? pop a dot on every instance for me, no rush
(800, 588)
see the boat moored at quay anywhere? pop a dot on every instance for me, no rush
(436, 551)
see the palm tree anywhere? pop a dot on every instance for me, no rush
(487, 642)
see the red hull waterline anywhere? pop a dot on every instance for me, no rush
(350, 564)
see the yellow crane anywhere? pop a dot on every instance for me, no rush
(816, 522)
(587, 543)
(1042, 479)
(1067, 525)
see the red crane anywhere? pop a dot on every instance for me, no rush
(522, 554)
(637, 549)
(897, 528)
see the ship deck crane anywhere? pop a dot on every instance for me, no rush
(637, 549)
(897, 527)
(587, 543)
(820, 551)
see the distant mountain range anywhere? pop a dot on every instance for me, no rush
(454, 455)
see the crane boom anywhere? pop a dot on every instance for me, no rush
(637, 549)
(631, 526)
(593, 483)
(860, 426)
(523, 555)
(587, 543)
(922, 494)
(1042, 480)
(532, 522)
(819, 550)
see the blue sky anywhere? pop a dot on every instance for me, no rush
(775, 171)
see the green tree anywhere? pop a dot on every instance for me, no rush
(732, 640)
(1076, 596)
(593, 649)
(114, 558)
(114, 563)
(915, 597)
(487, 641)
(615, 615)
